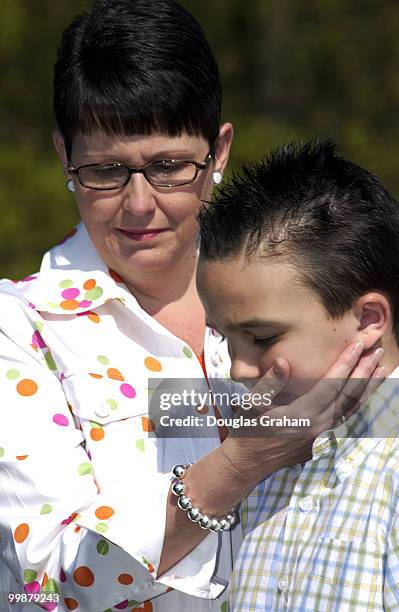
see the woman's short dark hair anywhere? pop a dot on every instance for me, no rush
(136, 67)
(330, 218)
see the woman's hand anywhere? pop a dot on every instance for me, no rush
(261, 450)
(224, 477)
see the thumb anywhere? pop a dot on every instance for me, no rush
(275, 379)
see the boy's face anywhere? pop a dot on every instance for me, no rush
(265, 313)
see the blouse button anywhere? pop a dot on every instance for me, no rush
(102, 410)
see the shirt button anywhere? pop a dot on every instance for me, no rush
(346, 467)
(306, 504)
(102, 410)
(282, 585)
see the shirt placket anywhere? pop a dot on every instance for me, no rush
(302, 513)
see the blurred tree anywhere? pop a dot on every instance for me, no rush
(291, 69)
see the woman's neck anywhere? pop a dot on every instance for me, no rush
(156, 289)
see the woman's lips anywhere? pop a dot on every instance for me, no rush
(140, 235)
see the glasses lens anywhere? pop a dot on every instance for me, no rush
(103, 176)
(171, 173)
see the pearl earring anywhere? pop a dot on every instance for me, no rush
(217, 178)
(70, 185)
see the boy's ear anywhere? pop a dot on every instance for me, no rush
(373, 312)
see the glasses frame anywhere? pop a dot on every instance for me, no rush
(142, 170)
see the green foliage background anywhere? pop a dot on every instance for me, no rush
(291, 69)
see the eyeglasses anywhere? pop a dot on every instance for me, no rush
(162, 173)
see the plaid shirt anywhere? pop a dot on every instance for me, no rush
(325, 535)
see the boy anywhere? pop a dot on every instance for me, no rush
(305, 249)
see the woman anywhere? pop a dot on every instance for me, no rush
(88, 521)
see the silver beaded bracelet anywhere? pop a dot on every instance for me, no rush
(194, 514)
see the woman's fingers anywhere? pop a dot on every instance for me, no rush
(360, 385)
(346, 362)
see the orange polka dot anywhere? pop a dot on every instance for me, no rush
(77, 529)
(45, 580)
(117, 278)
(21, 533)
(27, 387)
(151, 568)
(125, 579)
(94, 317)
(152, 364)
(83, 576)
(97, 434)
(93, 375)
(69, 305)
(104, 512)
(21, 457)
(115, 374)
(147, 424)
(89, 284)
(70, 603)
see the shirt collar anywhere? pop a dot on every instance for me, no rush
(73, 278)
(355, 438)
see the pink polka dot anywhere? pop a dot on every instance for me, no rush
(85, 304)
(70, 294)
(127, 390)
(122, 605)
(37, 340)
(62, 575)
(32, 306)
(49, 605)
(28, 278)
(32, 588)
(60, 419)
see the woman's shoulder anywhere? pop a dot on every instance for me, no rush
(15, 304)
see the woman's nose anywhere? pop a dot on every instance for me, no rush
(138, 196)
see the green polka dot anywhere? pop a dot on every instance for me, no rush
(93, 294)
(109, 609)
(12, 374)
(224, 607)
(102, 547)
(112, 404)
(52, 305)
(39, 326)
(85, 468)
(132, 603)
(140, 445)
(50, 361)
(188, 352)
(103, 359)
(101, 527)
(51, 586)
(46, 509)
(29, 575)
(65, 284)
(96, 425)
(2, 451)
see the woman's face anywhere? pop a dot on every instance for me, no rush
(140, 227)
